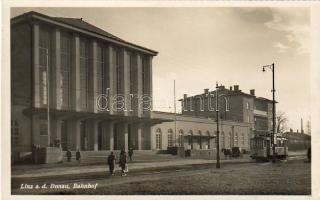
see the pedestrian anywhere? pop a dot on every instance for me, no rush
(111, 163)
(130, 153)
(78, 156)
(309, 154)
(69, 155)
(123, 162)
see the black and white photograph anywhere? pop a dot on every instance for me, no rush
(170, 100)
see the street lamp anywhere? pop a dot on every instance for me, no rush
(217, 118)
(271, 67)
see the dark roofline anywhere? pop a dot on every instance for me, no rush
(265, 99)
(232, 93)
(39, 16)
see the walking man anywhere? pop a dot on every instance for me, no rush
(111, 163)
(130, 153)
(69, 155)
(123, 162)
(78, 156)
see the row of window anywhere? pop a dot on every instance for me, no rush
(180, 138)
(66, 52)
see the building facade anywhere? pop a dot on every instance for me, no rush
(199, 133)
(79, 84)
(234, 105)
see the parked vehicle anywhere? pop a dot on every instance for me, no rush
(235, 152)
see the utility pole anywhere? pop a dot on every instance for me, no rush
(217, 117)
(48, 97)
(273, 136)
(175, 113)
(217, 120)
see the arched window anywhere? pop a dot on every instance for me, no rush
(158, 138)
(208, 139)
(190, 138)
(200, 139)
(242, 138)
(230, 139)
(180, 137)
(236, 139)
(222, 140)
(15, 132)
(170, 137)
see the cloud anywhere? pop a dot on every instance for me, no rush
(295, 24)
(281, 47)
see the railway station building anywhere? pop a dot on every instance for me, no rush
(75, 83)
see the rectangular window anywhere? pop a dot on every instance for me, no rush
(43, 127)
(144, 71)
(118, 78)
(65, 70)
(131, 77)
(84, 65)
(117, 63)
(44, 60)
(101, 75)
(101, 71)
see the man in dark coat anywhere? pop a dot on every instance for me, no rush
(111, 163)
(130, 153)
(78, 156)
(309, 154)
(69, 155)
(123, 162)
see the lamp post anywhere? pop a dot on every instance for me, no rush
(271, 67)
(217, 120)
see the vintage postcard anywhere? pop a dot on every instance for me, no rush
(172, 98)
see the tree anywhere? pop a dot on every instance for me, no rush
(281, 121)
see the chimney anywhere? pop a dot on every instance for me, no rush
(291, 130)
(221, 87)
(230, 88)
(252, 92)
(236, 87)
(206, 91)
(185, 96)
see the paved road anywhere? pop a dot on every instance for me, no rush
(106, 184)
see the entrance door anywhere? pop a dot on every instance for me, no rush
(64, 135)
(115, 137)
(83, 136)
(100, 136)
(129, 137)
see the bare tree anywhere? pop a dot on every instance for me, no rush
(282, 120)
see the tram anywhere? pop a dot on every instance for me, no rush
(261, 148)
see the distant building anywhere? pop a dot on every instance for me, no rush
(243, 107)
(297, 140)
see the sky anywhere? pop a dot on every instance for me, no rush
(229, 45)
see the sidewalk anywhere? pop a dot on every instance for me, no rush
(63, 169)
